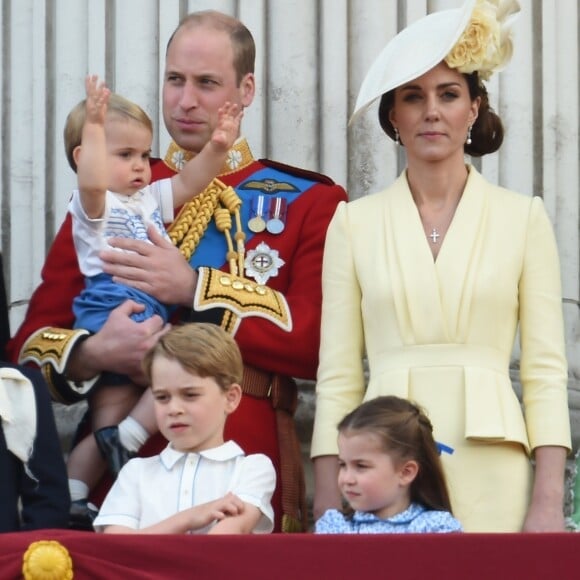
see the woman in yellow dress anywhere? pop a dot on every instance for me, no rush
(432, 277)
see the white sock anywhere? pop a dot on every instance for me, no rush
(132, 434)
(78, 489)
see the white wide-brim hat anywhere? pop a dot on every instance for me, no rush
(412, 52)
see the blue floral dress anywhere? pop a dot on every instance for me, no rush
(416, 519)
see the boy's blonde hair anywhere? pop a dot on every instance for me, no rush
(118, 106)
(203, 349)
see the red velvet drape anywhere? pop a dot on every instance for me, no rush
(305, 556)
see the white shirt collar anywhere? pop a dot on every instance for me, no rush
(228, 450)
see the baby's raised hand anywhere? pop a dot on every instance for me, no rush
(97, 99)
(228, 126)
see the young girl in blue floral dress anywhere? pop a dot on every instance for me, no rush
(390, 473)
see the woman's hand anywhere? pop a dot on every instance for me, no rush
(546, 511)
(326, 492)
(548, 517)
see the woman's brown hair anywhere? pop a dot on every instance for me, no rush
(486, 133)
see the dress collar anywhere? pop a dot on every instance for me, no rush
(239, 156)
(401, 518)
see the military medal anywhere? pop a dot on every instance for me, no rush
(262, 263)
(277, 215)
(257, 223)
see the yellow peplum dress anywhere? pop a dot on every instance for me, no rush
(441, 334)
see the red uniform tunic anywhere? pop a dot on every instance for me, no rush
(274, 346)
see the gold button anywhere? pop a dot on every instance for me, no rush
(53, 336)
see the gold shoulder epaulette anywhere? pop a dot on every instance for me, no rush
(245, 298)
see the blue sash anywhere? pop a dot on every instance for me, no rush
(266, 181)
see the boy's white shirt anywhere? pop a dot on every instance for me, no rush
(151, 205)
(149, 490)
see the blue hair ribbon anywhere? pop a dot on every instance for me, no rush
(442, 448)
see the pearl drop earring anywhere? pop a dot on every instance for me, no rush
(397, 137)
(468, 141)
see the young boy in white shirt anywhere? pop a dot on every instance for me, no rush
(198, 483)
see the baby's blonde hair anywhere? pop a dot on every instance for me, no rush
(118, 106)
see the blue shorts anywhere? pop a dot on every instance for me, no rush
(101, 295)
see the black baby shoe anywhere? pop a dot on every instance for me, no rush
(112, 449)
(81, 515)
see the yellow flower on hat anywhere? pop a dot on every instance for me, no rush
(485, 45)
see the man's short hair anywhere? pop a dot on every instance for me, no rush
(243, 44)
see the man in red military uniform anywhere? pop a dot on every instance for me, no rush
(253, 265)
